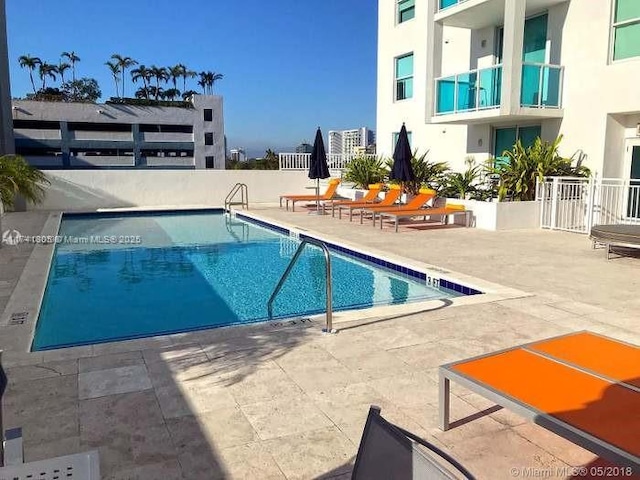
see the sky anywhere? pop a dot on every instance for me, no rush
(289, 66)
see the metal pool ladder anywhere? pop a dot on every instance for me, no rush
(244, 197)
(327, 265)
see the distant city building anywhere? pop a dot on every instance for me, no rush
(304, 148)
(347, 141)
(238, 155)
(85, 135)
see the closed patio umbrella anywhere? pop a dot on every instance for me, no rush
(402, 169)
(318, 167)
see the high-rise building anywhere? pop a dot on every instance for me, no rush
(346, 141)
(238, 155)
(304, 147)
(472, 77)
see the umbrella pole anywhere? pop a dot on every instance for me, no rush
(317, 196)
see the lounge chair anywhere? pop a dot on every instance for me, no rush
(424, 195)
(85, 466)
(582, 386)
(327, 195)
(369, 198)
(627, 236)
(445, 211)
(391, 197)
(387, 451)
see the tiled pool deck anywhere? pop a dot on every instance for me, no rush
(283, 401)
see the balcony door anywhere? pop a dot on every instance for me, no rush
(505, 139)
(534, 45)
(633, 163)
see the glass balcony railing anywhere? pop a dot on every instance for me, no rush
(470, 91)
(541, 85)
(442, 4)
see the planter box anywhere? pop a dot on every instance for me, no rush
(501, 215)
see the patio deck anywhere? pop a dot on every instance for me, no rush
(283, 401)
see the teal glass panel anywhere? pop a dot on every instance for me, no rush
(447, 3)
(499, 44)
(505, 139)
(530, 92)
(490, 82)
(633, 205)
(627, 10)
(445, 95)
(534, 45)
(404, 89)
(627, 41)
(467, 85)
(406, 10)
(527, 135)
(404, 66)
(394, 138)
(551, 77)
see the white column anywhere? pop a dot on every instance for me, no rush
(434, 58)
(514, 15)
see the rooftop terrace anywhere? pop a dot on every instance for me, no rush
(283, 401)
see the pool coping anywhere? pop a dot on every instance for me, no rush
(29, 292)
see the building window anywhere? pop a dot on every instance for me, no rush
(208, 138)
(404, 77)
(394, 139)
(208, 115)
(208, 162)
(505, 138)
(406, 10)
(626, 29)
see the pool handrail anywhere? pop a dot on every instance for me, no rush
(327, 263)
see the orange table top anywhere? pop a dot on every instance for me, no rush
(608, 411)
(602, 355)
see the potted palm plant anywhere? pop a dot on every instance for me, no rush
(17, 177)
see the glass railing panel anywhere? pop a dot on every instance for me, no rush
(469, 91)
(442, 4)
(541, 85)
(445, 95)
(490, 84)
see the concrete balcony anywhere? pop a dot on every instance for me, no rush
(89, 161)
(476, 14)
(100, 135)
(168, 162)
(37, 134)
(477, 96)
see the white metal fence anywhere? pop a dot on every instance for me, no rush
(300, 161)
(576, 204)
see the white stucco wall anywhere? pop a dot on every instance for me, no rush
(81, 190)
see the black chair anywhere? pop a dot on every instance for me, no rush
(388, 452)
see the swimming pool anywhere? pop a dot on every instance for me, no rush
(123, 276)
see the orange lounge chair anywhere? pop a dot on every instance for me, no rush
(369, 198)
(582, 386)
(423, 212)
(327, 195)
(424, 195)
(392, 195)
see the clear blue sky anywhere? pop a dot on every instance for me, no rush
(289, 65)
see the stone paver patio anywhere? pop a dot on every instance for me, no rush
(283, 401)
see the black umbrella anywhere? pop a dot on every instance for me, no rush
(402, 169)
(318, 167)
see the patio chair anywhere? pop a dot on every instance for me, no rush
(387, 451)
(444, 212)
(81, 466)
(370, 197)
(424, 196)
(327, 195)
(391, 197)
(582, 386)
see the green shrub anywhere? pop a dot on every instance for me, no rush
(17, 177)
(365, 170)
(427, 174)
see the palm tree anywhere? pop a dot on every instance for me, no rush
(203, 83)
(188, 94)
(185, 73)
(175, 72)
(114, 68)
(171, 93)
(27, 61)
(144, 74)
(208, 79)
(142, 92)
(73, 59)
(63, 67)
(47, 70)
(18, 177)
(123, 63)
(160, 74)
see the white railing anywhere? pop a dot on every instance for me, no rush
(300, 161)
(576, 204)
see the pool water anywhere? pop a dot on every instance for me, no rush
(192, 271)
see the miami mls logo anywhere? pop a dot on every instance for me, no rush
(11, 237)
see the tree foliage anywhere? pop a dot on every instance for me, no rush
(17, 177)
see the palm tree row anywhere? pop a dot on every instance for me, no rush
(153, 78)
(49, 70)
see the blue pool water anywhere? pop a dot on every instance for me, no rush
(192, 271)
